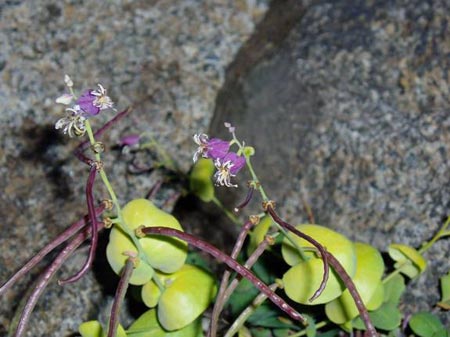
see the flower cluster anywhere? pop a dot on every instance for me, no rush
(90, 103)
(227, 163)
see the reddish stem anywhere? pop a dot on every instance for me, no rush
(320, 248)
(230, 262)
(345, 277)
(94, 229)
(220, 299)
(119, 297)
(45, 278)
(64, 236)
(246, 200)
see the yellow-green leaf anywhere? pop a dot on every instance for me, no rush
(150, 294)
(303, 279)
(408, 260)
(200, 180)
(188, 293)
(147, 325)
(94, 329)
(367, 279)
(258, 234)
(445, 290)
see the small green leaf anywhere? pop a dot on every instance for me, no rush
(90, 329)
(311, 329)
(282, 332)
(441, 333)
(304, 278)
(425, 324)
(188, 293)
(200, 180)
(268, 316)
(445, 290)
(94, 329)
(387, 317)
(147, 325)
(408, 260)
(259, 232)
(394, 288)
(367, 280)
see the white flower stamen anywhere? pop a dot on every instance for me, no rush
(201, 140)
(102, 100)
(74, 125)
(223, 174)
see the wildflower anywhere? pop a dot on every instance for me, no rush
(73, 124)
(214, 148)
(129, 140)
(93, 101)
(129, 143)
(227, 167)
(102, 100)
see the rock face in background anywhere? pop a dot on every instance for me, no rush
(351, 112)
(346, 102)
(166, 58)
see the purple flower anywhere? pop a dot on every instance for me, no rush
(227, 167)
(91, 102)
(86, 103)
(129, 140)
(214, 148)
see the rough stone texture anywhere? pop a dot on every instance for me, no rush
(166, 58)
(351, 112)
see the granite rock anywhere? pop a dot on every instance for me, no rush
(165, 58)
(349, 111)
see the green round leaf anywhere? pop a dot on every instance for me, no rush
(387, 317)
(163, 253)
(303, 279)
(147, 325)
(188, 293)
(259, 232)
(367, 279)
(90, 329)
(94, 329)
(393, 289)
(409, 261)
(150, 294)
(425, 324)
(200, 180)
(119, 248)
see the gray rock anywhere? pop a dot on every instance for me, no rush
(166, 58)
(349, 110)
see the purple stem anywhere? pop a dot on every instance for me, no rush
(248, 264)
(64, 236)
(246, 201)
(328, 257)
(119, 297)
(320, 248)
(45, 278)
(230, 262)
(94, 229)
(345, 277)
(220, 300)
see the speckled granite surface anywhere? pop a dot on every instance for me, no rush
(166, 58)
(345, 101)
(352, 112)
